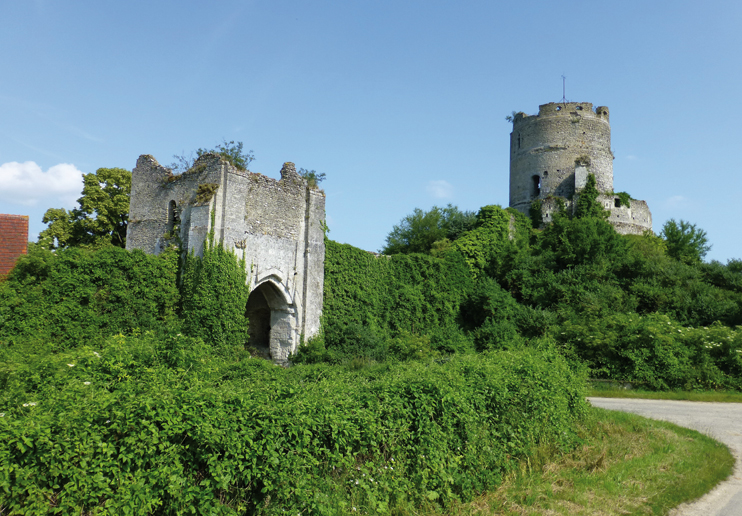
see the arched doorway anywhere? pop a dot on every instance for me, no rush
(270, 333)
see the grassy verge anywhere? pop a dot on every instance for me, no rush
(626, 465)
(615, 392)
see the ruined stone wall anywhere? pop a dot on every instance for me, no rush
(545, 150)
(627, 220)
(278, 225)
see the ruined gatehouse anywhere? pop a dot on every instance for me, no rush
(278, 224)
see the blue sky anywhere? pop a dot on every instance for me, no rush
(401, 104)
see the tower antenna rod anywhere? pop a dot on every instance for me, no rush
(564, 90)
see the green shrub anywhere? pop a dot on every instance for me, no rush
(656, 351)
(247, 437)
(75, 297)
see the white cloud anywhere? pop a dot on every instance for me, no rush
(26, 184)
(439, 189)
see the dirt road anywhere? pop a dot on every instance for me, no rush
(722, 421)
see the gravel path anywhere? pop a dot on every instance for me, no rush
(722, 421)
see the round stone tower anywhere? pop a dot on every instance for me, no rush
(552, 153)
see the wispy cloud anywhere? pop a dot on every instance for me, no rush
(631, 157)
(439, 189)
(83, 134)
(27, 184)
(676, 201)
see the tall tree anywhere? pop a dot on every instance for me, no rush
(685, 242)
(417, 232)
(100, 219)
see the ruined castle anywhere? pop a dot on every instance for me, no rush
(277, 224)
(551, 156)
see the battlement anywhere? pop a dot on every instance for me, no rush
(566, 110)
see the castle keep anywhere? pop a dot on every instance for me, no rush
(551, 156)
(278, 224)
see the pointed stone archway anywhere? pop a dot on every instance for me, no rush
(272, 321)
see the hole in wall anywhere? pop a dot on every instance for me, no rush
(536, 186)
(559, 108)
(617, 202)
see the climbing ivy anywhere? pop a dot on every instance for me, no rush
(214, 294)
(496, 231)
(587, 201)
(413, 293)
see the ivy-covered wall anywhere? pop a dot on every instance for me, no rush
(413, 293)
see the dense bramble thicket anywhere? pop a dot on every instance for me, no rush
(142, 425)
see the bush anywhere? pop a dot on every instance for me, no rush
(656, 351)
(248, 437)
(74, 297)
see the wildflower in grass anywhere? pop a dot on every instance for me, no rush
(25, 404)
(70, 365)
(2, 414)
(96, 354)
(32, 404)
(86, 383)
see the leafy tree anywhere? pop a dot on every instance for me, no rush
(227, 150)
(313, 178)
(685, 242)
(417, 232)
(587, 201)
(580, 241)
(101, 218)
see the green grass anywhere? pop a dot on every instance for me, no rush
(626, 465)
(606, 391)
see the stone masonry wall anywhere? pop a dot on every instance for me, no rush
(278, 225)
(13, 241)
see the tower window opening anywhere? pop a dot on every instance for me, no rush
(519, 141)
(536, 187)
(617, 202)
(172, 215)
(578, 108)
(546, 173)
